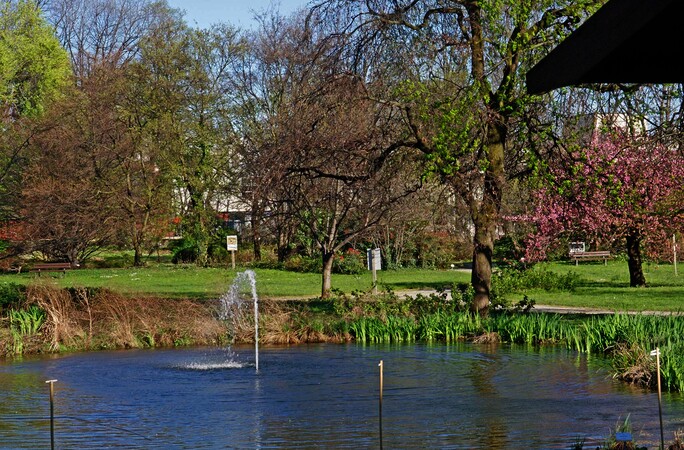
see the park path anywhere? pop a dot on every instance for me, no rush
(548, 308)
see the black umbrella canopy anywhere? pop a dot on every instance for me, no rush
(625, 41)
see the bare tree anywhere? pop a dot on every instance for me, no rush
(460, 81)
(69, 207)
(99, 32)
(341, 151)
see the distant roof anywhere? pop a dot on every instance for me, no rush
(625, 41)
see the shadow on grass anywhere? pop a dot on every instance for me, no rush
(435, 285)
(652, 294)
(603, 284)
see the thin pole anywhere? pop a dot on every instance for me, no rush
(674, 253)
(660, 401)
(380, 404)
(52, 413)
(656, 353)
(256, 332)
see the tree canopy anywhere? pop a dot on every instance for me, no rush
(619, 190)
(33, 65)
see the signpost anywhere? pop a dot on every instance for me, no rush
(374, 262)
(674, 253)
(577, 247)
(232, 246)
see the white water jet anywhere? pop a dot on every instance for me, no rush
(231, 306)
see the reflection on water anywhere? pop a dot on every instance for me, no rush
(456, 396)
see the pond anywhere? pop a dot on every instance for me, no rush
(459, 396)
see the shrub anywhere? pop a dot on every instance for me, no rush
(299, 263)
(350, 262)
(511, 280)
(11, 295)
(183, 251)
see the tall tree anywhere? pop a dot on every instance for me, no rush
(619, 189)
(34, 72)
(340, 168)
(33, 65)
(261, 83)
(98, 33)
(338, 149)
(69, 206)
(188, 88)
(461, 66)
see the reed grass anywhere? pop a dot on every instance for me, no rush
(625, 338)
(26, 321)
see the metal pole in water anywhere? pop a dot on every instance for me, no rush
(380, 404)
(256, 331)
(656, 352)
(52, 413)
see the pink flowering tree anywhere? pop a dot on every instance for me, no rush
(619, 190)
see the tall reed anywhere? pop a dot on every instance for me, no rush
(625, 338)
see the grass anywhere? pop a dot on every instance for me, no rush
(601, 286)
(607, 287)
(188, 281)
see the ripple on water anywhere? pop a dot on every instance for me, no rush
(222, 365)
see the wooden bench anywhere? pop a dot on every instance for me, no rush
(590, 256)
(51, 267)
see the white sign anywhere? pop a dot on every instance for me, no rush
(374, 259)
(577, 247)
(231, 243)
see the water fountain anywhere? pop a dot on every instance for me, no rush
(232, 306)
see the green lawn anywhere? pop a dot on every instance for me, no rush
(601, 286)
(194, 282)
(607, 287)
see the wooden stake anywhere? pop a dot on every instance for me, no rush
(52, 413)
(656, 352)
(380, 404)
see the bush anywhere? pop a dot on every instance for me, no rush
(183, 251)
(12, 295)
(434, 250)
(299, 263)
(218, 254)
(351, 262)
(512, 280)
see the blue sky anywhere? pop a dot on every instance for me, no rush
(203, 13)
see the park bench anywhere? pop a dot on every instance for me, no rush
(590, 256)
(51, 267)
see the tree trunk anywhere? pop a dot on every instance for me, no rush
(326, 289)
(485, 213)
(256, 236)
(636, 272)
(137, 256)
(137, 248)
(202, 252)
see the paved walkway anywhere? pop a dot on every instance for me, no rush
(550, 308)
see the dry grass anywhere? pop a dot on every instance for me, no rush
(634, 365)
(487, 338)
(280, 322)
(98, 319)
(94, 319)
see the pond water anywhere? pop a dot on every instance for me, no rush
(460, 396)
